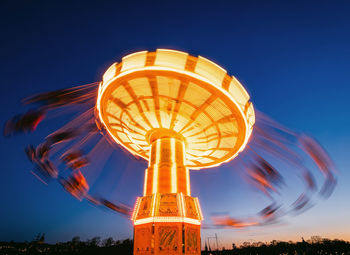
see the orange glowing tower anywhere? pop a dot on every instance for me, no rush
(179, 112)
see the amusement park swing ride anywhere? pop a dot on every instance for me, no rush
(179, 113)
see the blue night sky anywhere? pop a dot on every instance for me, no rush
(292, 56)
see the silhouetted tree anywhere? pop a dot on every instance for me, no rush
(95, 241)
(108, 242)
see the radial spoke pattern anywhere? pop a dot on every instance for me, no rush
(172, 90)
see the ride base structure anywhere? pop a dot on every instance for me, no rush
(178, 112)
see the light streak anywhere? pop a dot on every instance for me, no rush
(136, 209)
(173, 166)
(187, 171)
(155, 168)
(167, 219)
(37, 176)
(154, 204)
(145, 182)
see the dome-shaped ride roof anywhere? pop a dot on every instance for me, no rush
(173, 90)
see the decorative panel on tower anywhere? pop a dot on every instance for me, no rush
(168, 238)
(168, 205)
(145, 207)
(143, 239)
(192, 239)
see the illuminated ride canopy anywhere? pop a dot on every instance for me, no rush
(192, 97)
(178, 112)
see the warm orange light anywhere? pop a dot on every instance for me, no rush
(145, 182)
(173, 167)
(167, 219)
(161, 207)
(170, 89)
(178, 112)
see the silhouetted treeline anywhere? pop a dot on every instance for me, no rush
(316, 245)
(95, 245)
(74, 247)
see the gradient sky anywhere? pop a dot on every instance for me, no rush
(292, 56)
